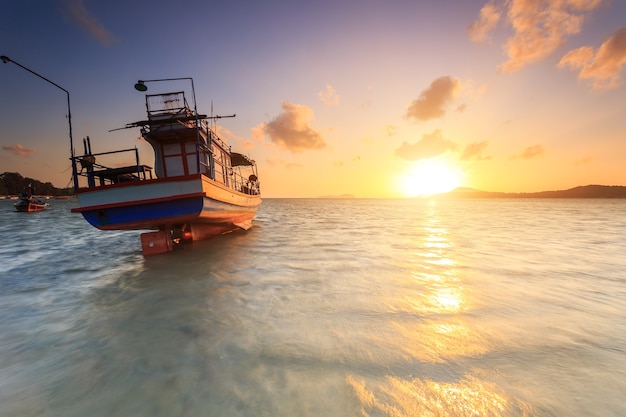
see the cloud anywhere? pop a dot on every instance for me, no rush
(539, 26)
(531, 152)
(19, 150)
(474, 151)
(291, 129)
(488, 19)
(282, 163)
(232, 137)
(390, 130)
(430, 145)
(432, 101)
(81, 15)
(603, 66)
(329, 97)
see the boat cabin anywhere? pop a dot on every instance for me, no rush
(184, 144)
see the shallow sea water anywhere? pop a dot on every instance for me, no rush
(324, 308)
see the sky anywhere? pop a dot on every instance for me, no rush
(376, 99)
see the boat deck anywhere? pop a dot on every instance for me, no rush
(129, 173)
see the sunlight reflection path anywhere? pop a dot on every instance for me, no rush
(434, 329)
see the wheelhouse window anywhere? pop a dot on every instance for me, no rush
(179, 159)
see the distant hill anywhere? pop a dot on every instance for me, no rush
(586, 191)
(12, 183)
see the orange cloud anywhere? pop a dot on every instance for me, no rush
(329, 97)
(432, 101)
(19, 150)
(603, 66)
(282, 163)
(475, 151)
(531, 152)
(540, 27)
(488, 19)
(390, 130)
(291, 129)
(430, 145)
(81, 15)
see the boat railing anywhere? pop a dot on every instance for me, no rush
(166, 104)
(247, 184)
(92, 170)
(213, 136)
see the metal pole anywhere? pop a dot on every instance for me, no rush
(6, 59)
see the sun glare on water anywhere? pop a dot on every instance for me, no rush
(428, 177)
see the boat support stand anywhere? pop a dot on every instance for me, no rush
(165, 240)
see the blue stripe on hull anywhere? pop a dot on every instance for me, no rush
(143, 213)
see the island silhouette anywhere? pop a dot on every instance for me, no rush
(585, 191)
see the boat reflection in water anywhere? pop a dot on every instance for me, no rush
(432, 329)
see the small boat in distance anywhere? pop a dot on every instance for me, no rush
(199, 188)
(28, 203)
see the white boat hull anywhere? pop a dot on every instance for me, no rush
(204, 206)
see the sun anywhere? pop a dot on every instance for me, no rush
(430, 176)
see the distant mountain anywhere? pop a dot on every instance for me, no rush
(586, 191)
(12, 183)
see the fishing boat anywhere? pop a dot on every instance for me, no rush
(28, 203)
(198, 187)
